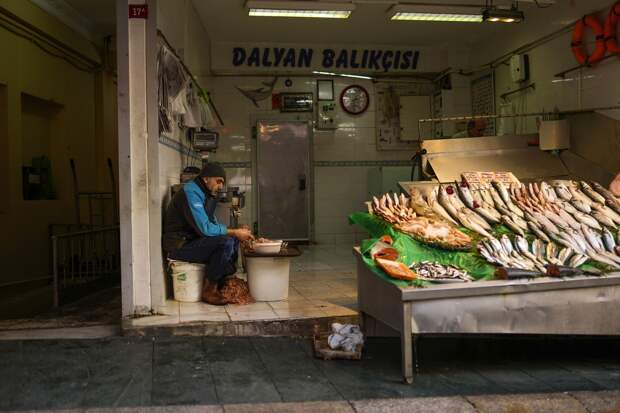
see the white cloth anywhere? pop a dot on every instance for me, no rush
(345, 336)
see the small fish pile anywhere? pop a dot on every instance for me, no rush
(538, 255)
(433, 271)
(430, 229)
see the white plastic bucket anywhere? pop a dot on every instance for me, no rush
(187, 278)
(268, 278)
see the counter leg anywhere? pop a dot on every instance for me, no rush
(406, 344)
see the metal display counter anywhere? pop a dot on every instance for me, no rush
(573, 306)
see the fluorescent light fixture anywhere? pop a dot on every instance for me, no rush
(341, 75)
(300, 8)
(435, 13)
(503, 15)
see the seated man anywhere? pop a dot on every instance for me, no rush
(192, 233)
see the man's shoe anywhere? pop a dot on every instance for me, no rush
(211, 294)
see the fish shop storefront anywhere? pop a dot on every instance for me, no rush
(420, 181)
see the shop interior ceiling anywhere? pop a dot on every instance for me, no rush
(228, 20)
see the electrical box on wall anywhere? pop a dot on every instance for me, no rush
(519, 68)
(325, 115)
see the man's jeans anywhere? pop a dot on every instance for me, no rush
(218, 253)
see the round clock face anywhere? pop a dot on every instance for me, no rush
(354, 99)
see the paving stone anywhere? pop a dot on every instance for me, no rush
(294, 374)
(527, 403)
(306, 407)
(182, 373)
(607, 401)
(238, 372)
(417, 405)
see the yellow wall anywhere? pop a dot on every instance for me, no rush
(82, 130)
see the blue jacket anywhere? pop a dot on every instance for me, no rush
(191, 215)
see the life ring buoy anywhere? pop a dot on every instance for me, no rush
(577, 41)
(611, 41)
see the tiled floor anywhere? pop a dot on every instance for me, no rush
(322, 284)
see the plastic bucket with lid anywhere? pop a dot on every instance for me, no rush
(187, 278)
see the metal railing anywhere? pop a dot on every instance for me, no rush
(81, 258)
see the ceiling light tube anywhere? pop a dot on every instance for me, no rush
(435, 13)
(315, 9)
(341, 74)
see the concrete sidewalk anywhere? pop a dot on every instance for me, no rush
(256, 374)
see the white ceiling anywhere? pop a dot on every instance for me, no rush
(227, 20)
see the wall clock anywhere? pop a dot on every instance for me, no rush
(354, 100)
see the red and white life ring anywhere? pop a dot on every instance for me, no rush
(611, 41)
(577, 41)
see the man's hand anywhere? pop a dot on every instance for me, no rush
(242, 234)
(614, 186)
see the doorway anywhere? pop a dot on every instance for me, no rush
(284, 179)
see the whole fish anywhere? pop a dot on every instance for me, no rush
(580, 241)
(556, 219)
(610, 213)
(604, 259)
(562, 192)
(595, 196)
(486, 196)
(433, 202)
(568, 218)
(506, 244)
(607, 194)
(565, 254)
(537, 248)
(472, 225)
(567, 207)
(581, 206)
(593, 239)
(537, 231)
(548, 192)
(577, 194)
(551, 251)
(577, 260)
(511, 224)
(587, 220)
(497, 199)
(487, 214)
(465, 194)
(444, 201)
(608, 240)
(521, 244)
(603, 219)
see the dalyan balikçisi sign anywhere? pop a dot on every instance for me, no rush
(303, 57)
(248, 58)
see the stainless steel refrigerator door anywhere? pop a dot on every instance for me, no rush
(283, 175)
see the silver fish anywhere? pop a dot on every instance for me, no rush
(559, 222)
(562, 192)
(510, 224)
(607, 194)
(521, 244)
(593, 239)
(580, 242)
(608, 240)
(551, 251)
(578, 195)
(577, 260)
(465, 194)
(567, 206)
(486, 214)
(587, 220)
(610, 213)
(604, 259)
(497, 199)
(537, 248)
(581, 206)
(433, 202)
(537, 231)
(472, 225)
(548, 192)
(444, 201)
(603, 219)
(565, 254)
(506, 244)
(568, 218)
(595, 196)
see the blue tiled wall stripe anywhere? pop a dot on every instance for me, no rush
(179, 147)
(247, 164)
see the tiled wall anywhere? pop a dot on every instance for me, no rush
(346, 161)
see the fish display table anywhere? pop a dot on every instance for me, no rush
(582, 305)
